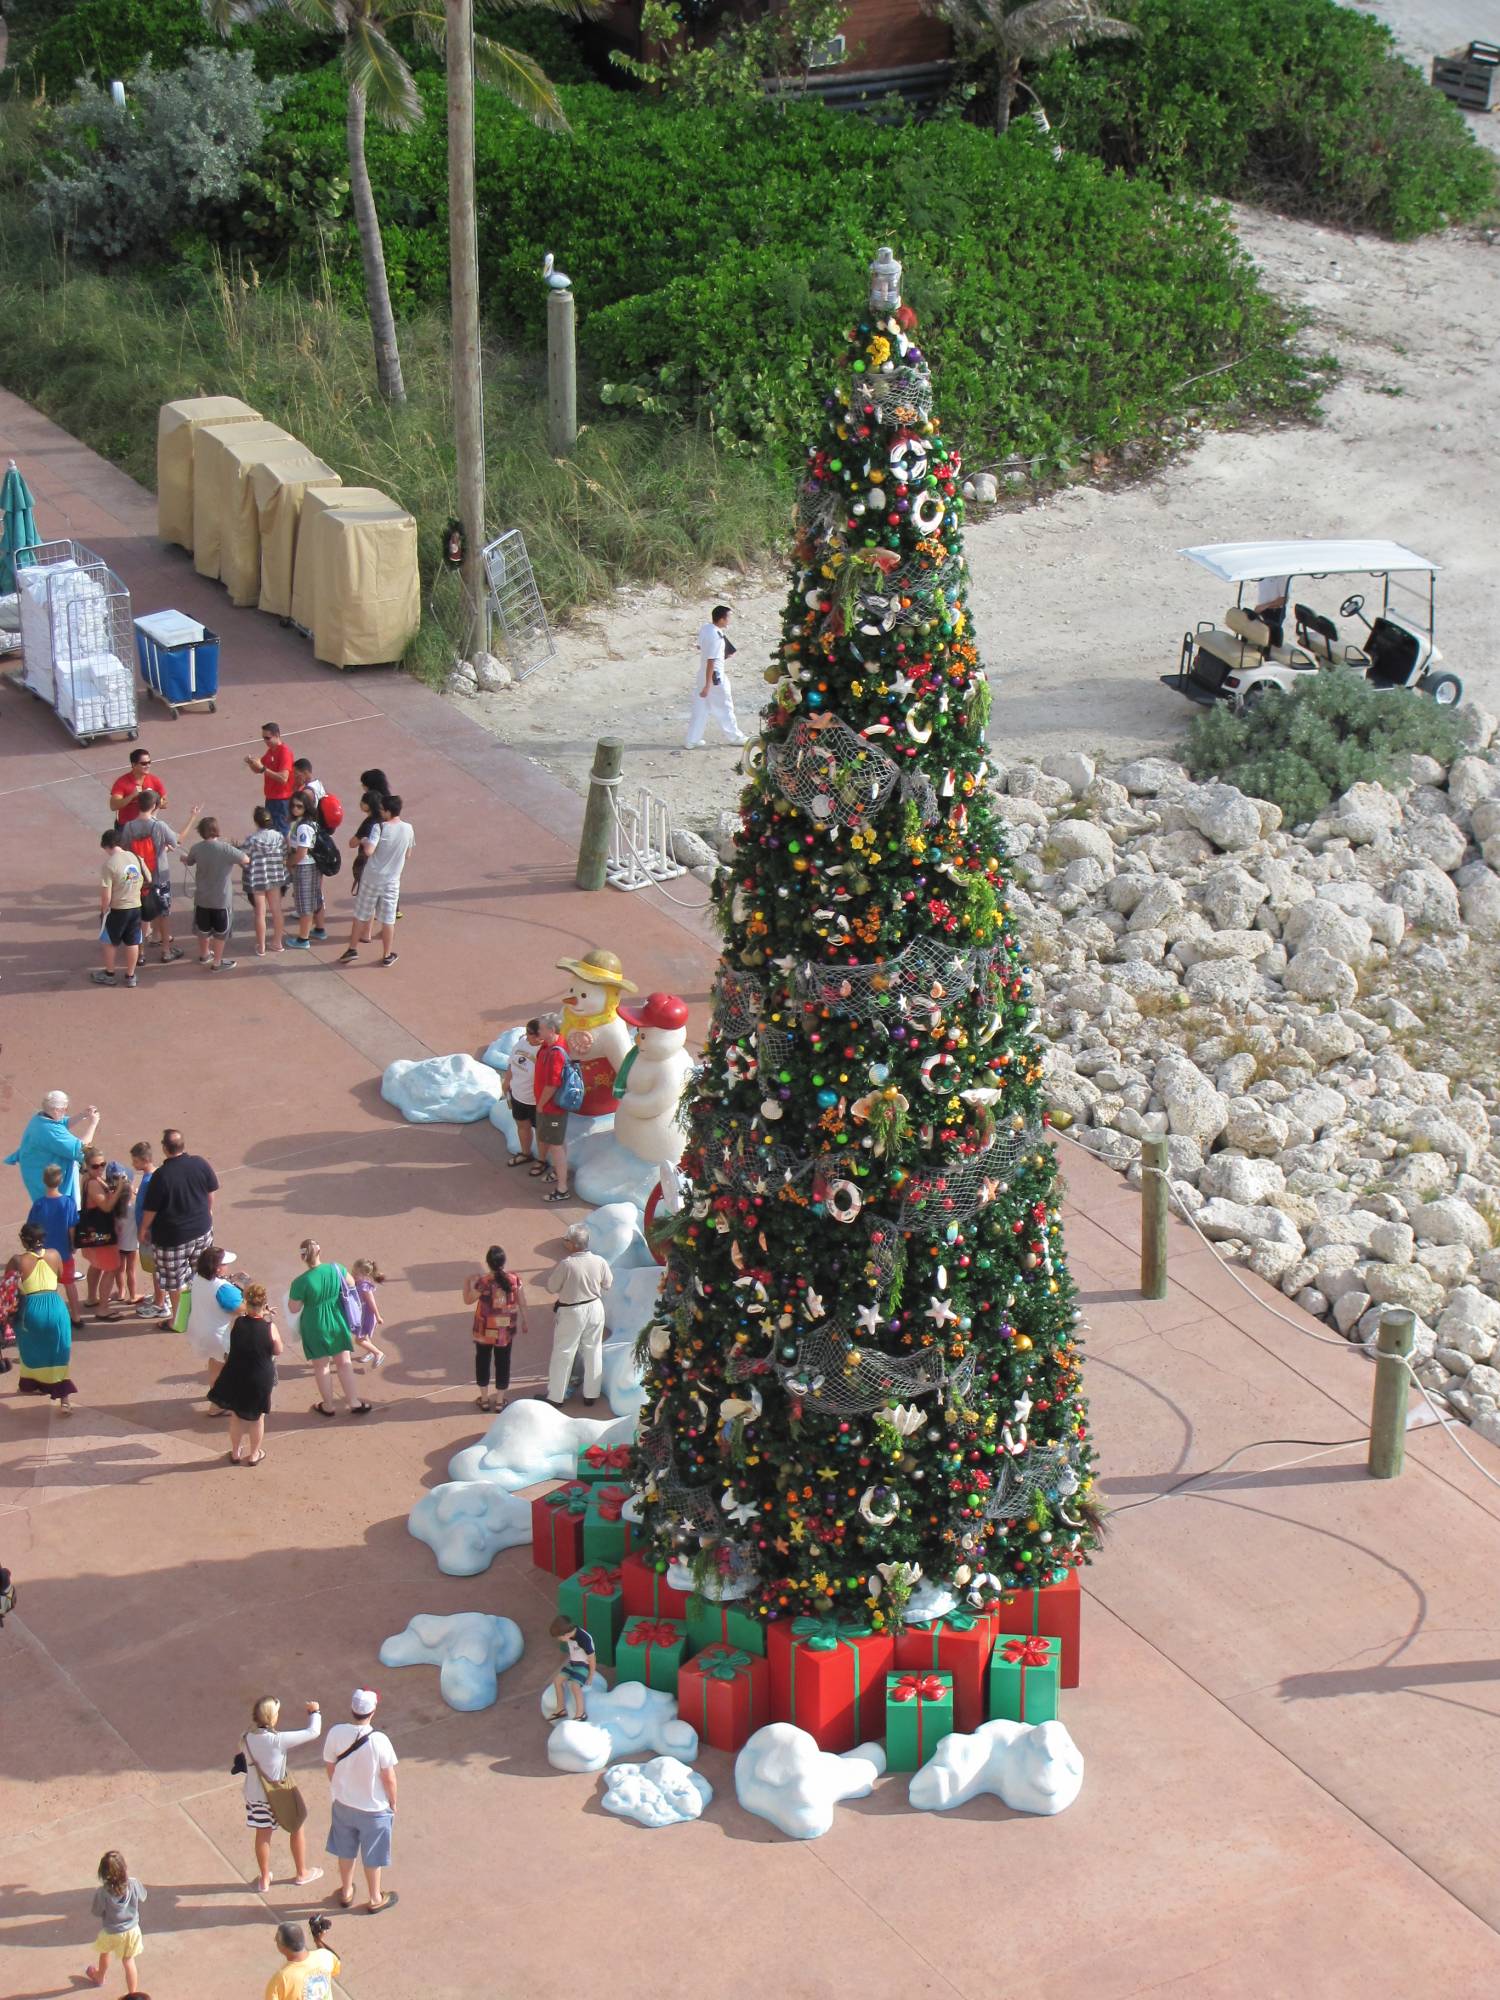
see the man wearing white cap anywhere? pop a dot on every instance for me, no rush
(578, 1282)
(361, 1767)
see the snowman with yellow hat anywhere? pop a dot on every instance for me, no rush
(594, 1035)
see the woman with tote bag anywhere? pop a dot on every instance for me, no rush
(271, 1799)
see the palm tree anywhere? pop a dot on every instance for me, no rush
(1001, 38)
(379, 81)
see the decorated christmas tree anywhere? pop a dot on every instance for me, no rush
(863, 1373)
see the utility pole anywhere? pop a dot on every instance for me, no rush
(463, 259)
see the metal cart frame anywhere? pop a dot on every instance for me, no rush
(81, 628)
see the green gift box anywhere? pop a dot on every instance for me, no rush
(607, 1535)
(651, 1650)
(711, 1623)
(918, 1715)
(1024, 1673)
(603, 1462)
(594, 1597)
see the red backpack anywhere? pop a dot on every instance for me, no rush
(145, 852)
(330, 812)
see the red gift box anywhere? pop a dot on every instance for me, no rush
(557, 1528)
(960, 1645)
(1052, 1610)
(828, 1677)
(725, 1693)
(647, 1592)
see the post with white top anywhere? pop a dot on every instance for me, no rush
(562, 368)
(1393, 1345)
(599, 812)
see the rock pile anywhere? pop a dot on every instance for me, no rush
(1248, 991)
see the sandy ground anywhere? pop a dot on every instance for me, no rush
(1080, 600)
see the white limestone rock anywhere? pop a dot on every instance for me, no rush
(1472, 779)
(1221, 1220)
(1145, 777)
(1364, 814)
(1073, 767)
(1449, 1220)
(1234, 1178)
(1315, 974)
(1427, 896)
(1321, 925)
(1193, 1107)
(1479, 900)
(1223, 815)
(1076, 839)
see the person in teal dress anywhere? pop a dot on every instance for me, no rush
(44, 1326)
(316, 1300)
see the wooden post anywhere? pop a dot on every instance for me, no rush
(598, 813)
(562, 376)
(1393, 1346)
(1154, 1200)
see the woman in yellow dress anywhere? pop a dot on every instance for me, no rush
(44, 1327)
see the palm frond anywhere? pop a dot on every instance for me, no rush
(575, 10)
(1042, 27)
(428, 25)
(377, 69)
(324, 17)
(521, 79)
(224, 16)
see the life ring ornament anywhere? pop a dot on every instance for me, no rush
(843, 1201)
(935, 1069)
(927, 511)
(909, 460)
(918, 730)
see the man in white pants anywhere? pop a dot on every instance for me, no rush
(711, 695)
(578, 1282)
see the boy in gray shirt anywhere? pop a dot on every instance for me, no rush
(213, 862)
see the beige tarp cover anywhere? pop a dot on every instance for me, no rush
(278, 485)
(174, 458)
(239, 521)
(217, 455)
(355, 585)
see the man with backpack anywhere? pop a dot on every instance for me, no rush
(552, 1092)
(377, 893)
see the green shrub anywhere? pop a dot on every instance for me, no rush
(132, 179)
(1302, 103)
(1302, 750)
(52, 46)
(714, 254)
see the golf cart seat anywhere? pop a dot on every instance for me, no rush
(1245, 625)
(1321, 638)
(1232, 653)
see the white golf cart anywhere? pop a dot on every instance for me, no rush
(1243, 660)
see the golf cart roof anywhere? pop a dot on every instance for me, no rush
(1248, 562)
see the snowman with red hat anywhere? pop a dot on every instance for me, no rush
(650, 1084)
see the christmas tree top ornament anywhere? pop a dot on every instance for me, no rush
(864, 1367)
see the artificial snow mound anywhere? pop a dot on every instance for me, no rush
(443, 1090)
(662, 1793)
(1032, 1767)
(781, 1775)
(466, 1525)
(630, 1718)
(470, 1648)
(531, 1442)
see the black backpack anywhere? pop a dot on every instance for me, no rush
(326, 857)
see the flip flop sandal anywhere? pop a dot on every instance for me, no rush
(345, 1902)
(481, 1402)
(321, 1410)
(253, 1461)
(559, 1194)
(538, 1172)
(360, 1409)
(387, 1901)
(516, 1160)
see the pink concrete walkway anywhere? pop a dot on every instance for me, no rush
(1289, 1711)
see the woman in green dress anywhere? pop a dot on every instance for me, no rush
(317, 1302)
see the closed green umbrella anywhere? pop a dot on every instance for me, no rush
(17, 525)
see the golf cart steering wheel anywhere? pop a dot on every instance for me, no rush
(1351, 607)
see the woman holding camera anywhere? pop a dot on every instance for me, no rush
(263, 1754)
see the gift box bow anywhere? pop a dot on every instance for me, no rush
(721, 1666)
(824, 1635)
(610, 1502)
(919, 1687)
(1028, 1652)
(652, 1632)
(600, 1581)
(608, 1457)
(570, 1502)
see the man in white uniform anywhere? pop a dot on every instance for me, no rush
(577, 1283)
(1270, 605)
(711, 695)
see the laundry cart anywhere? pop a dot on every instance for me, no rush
(76, 639)
(179, 660)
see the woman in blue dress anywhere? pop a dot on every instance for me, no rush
(44, 1327)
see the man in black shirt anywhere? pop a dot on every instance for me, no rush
(177, 1223)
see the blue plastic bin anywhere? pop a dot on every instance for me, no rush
(179, 660)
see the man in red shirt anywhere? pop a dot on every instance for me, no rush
(551, 1121)
(275, 764)
(124, 792)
